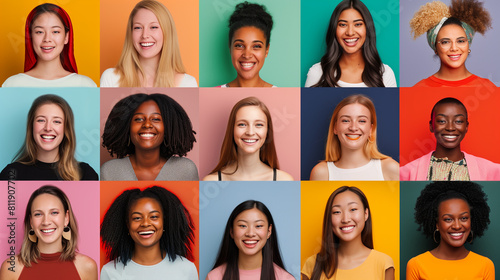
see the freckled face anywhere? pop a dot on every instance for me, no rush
(249, 50)
(353, 127)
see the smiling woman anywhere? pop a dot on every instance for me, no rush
(248, 152)
(351, 148)
(49, 55)
(449, 34)
(451, 213)
(150, 135)
(148, 234)
(449, 123)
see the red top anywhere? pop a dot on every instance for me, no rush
(471, 81)
(49, 267)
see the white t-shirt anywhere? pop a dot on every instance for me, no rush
(315, 73)
(71, 80)
(180, 269)
(110, 79)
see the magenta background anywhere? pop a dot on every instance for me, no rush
(186, 97)
(284, 105)
(84, 198)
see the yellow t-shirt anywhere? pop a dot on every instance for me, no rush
(373, 268)
(472, 267)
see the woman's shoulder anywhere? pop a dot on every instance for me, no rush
(320, 172)
(283, 176)
(86, 266)
(282, 274)
(11, 269)
(179, 169)
(88, 173)
(217, 273)
(188, 81)
(15, 80)
(109, 78)
(478, 259)
(390, 169)
(82, 81)
(388, 77)
(382, 259)
(211, 177)
(118, 169)
(314, 75)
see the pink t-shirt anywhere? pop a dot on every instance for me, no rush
(280, 273)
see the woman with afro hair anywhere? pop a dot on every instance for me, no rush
(449, 33)
(148, 234)
(451, 213)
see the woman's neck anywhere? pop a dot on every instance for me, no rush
(247, 262)
(48, 70)
(150, 68)
(248, 167)
(352, 159)
(352, 249)
(452, 74)
(146, 158)
(454, 154)
(51, 248)
(255, 82)
(147, 255)
(446, 252)
(48, 156)
(352, 67)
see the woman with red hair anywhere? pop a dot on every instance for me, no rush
(49, 56)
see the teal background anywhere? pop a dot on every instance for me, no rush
(413, 241)
(16, 102)
(282, 64)
(315, 18)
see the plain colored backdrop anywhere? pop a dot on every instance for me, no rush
(16, 102)
(315, 18)
(84, 17)
(84, 199)
(284, 106)
(282, 64)
(416, 139)
(383, 198)
(186, 191)
(418, 60)
(317, 105)
(186, 97)
(218, 200)
(414, 242)
(114, 17)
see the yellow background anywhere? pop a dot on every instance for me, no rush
(383, 198)
(114, 17)
(85, 18)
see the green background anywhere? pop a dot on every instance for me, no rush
(413, 241)
(282, 64)
(315, 18)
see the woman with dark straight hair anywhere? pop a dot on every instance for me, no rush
(249, 247)
(347, 243)
(351, 58)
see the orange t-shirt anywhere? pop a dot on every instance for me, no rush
(428, 267)
(471, 81)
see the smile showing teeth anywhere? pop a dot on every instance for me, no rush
(353, 136)
(350, 40)
(146, 232)
(47, 48)
(250, 242)
(249, 140)
(147, 135)
(147, 44)
(247, 65)
(450, 137)
(48, 230)
(457, 234)
(48, 137)
(347, 228)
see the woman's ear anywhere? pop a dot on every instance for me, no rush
(66, 218)
(367, 214)
(267, 49)
(269, 231)
(66, 38)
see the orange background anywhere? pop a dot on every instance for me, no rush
(187, 192)
(383, 198)
(84, 17)
(114, 17)
(416, 104)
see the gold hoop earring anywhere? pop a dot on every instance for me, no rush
(469, 50)
(434, 235)
(31, 236)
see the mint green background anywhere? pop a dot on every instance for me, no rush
(282, 64)
(315, 18)
(413, 241)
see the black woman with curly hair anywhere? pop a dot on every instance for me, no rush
(148, 234)
(451, 213)
(351, 58)
(150, 135)
(449, 33)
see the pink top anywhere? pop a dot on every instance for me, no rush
(218, 272)
(480, 169)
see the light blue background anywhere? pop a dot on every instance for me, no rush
(16, 102)
(217, 201)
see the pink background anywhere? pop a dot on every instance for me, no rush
(186, 97)
(284, 105)
(84, 198)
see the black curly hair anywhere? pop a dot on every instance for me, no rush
(426, 208)
(179, 134)
(250, 14)
(178, 236)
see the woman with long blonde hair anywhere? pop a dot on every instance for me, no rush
(151, 56)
